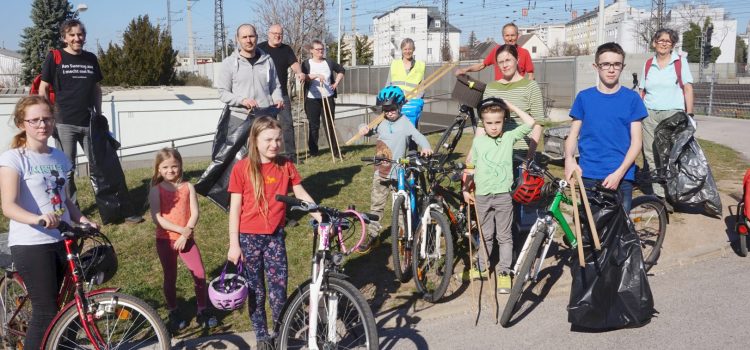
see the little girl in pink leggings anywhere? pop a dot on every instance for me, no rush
(174, 210)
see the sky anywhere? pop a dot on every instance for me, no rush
(105, 20)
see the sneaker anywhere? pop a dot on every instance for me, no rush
(264, 345)
(135, 219)
(368, 244)
(175, 323)
(206, 320)
(474, 274)
(503, 283)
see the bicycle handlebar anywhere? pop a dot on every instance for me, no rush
(299, 204)
(73, 231)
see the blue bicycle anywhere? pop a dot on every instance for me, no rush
(421, 241)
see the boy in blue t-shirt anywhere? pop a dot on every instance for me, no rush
(606, 128)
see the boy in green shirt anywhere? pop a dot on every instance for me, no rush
(493, 158)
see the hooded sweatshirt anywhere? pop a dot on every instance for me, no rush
(238, 80)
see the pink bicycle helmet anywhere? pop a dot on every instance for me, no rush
(228, 291)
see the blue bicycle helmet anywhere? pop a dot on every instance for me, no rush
(391, 96)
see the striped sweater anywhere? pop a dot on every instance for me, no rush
(527, 96)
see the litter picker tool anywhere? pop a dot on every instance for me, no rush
(487, 262)
(328, 113)
(587, 207)
(577, 224)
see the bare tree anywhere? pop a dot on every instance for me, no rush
(303, 21)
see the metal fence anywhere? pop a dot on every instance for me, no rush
(556, 77)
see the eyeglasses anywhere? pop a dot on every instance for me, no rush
(318, 49)
(37, 121)
(608, 65)
(664, 42)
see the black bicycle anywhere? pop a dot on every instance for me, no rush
(452, 135)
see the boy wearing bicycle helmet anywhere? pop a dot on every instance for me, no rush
(492, 155)
(393, 137)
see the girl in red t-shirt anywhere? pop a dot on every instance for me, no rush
(256, 220)
(174, 210)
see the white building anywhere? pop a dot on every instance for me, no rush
(10, 68)
(725, 29)
(622, 24)
(422, 24)
(551, 34)
(534, 44)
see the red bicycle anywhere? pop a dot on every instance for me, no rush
(99, 319)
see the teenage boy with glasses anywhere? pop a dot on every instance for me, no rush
(606, 128)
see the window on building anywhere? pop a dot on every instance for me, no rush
(437, 23)
(413, 16)
(413, 30)
(429, 51)
(533, 49)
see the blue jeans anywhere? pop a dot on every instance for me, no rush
(625, 189)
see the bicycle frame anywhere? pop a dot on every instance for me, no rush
(321, 268)
(71, 294)
(554, 214)
(406, 187)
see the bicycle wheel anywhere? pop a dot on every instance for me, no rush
(449, 140)
(14, 299)
(400, 245)
(432, 271)
(743, 245)
(354, 326)
(123, 321)
(649, 218)
(521, 277)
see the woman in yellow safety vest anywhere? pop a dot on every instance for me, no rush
(407, 72)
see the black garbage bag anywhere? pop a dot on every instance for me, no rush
(689, 178)
(612, 290)
(229, 147)
(107, 177)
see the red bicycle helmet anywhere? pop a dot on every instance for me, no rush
(528, 188)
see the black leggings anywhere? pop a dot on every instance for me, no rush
(42, 268)
(314, 111)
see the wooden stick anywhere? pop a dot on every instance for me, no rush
(301, 120)
(423, 85)
(328, 136)
(587, 207)
(487, 262)
(328, 113)
(577, 224)
(471, 255)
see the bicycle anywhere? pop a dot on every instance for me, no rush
(326, 311)
(452, 135)
(98, 319)
(419, 230)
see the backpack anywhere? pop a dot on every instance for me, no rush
(38, 79)
(677, 69)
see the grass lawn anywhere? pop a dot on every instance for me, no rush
(336, 185)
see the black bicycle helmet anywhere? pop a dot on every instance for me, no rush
(493, 101)
(99, 262)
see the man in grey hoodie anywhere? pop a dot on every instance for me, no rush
(247, 80)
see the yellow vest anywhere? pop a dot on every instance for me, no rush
(406, 82)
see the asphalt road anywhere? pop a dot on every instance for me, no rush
(701, 306)
(731, 132)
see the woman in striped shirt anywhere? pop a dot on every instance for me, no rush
(520, 91)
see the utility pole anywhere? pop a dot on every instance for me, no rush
(600, 26)
(658, 12)
(354, 33)
(338, 40)
(702, 44)
(445, 43)
(191, 45)
(169, 18)
(220, 38)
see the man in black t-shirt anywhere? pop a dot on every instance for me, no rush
(283, 58)
(76, 84)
